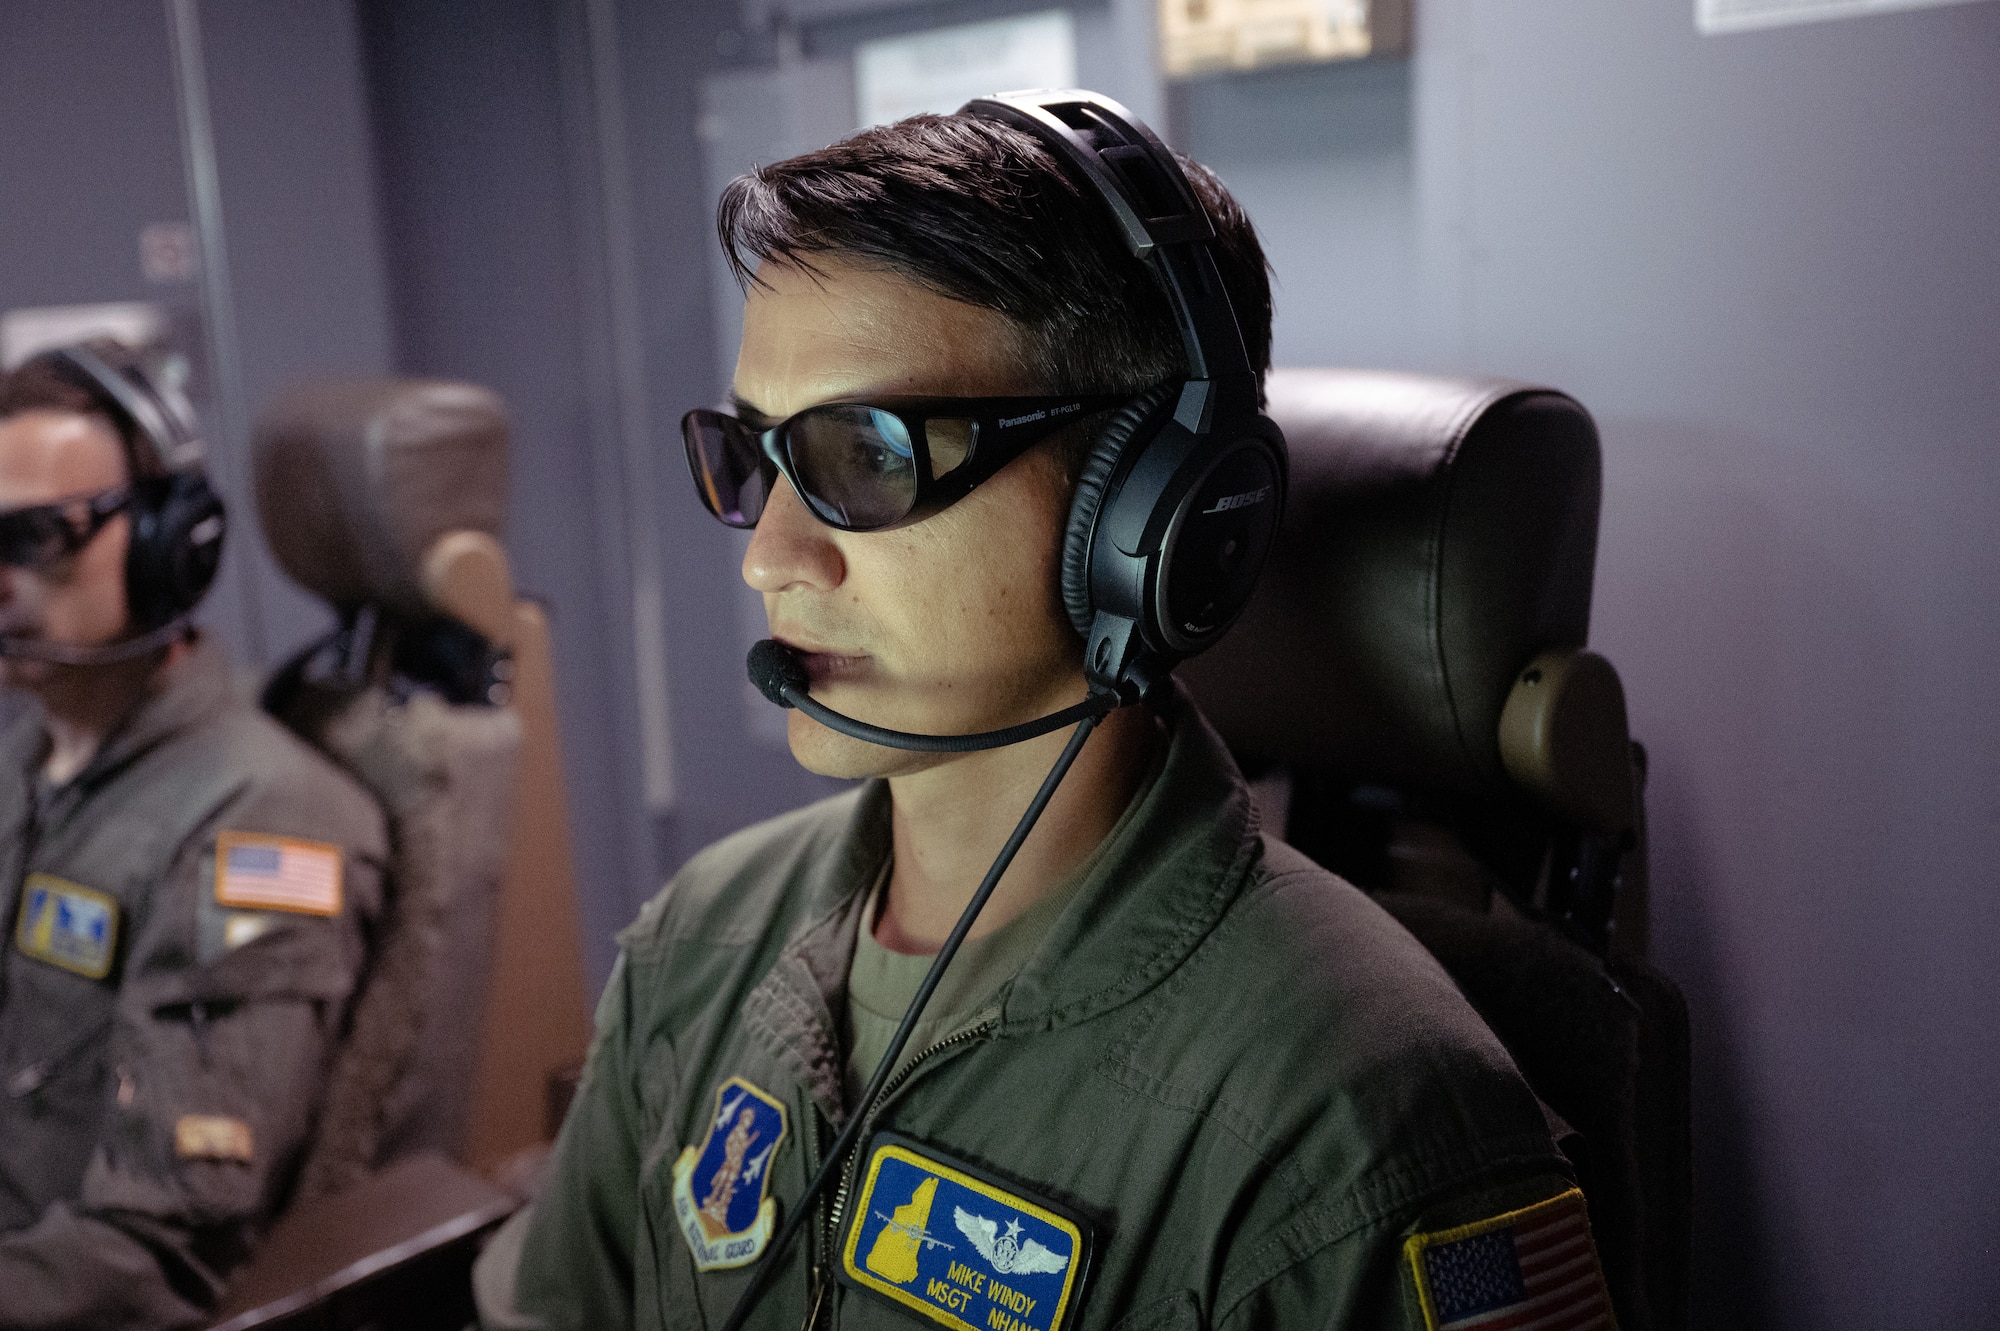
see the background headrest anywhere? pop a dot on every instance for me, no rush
(1438, 534)
(357, 478)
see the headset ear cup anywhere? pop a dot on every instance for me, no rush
(1105, 453)
(176, 546)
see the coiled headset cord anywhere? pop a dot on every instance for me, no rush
(767, 1270)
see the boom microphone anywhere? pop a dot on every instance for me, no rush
(56, 653)
(781, 676)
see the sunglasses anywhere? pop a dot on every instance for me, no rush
(867, 466)
(42, 535)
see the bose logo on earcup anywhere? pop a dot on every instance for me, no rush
(1248, 500)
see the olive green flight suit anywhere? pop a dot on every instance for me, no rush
(150, 1119)
(1253, 1080)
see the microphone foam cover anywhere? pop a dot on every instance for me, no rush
(775, 667)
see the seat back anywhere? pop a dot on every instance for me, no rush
(387, 498)
(1412, 695)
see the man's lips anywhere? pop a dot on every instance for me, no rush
(824, 664)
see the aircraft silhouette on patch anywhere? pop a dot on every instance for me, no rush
(1005, 1252)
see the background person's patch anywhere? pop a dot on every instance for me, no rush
(68, 925)
(945, 1239)
(1533, 1267)
(720, 1186)
(213, 1137)
(256, 872)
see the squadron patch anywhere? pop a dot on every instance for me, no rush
(67, 925)
(937, 1236)
(254, 872)
(720, 1186)
(1533, 1267)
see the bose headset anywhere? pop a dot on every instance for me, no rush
(177, 520)
(1174, 515)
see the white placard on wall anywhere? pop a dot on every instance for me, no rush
(943, 69)
(1713, 16)
(23, 333)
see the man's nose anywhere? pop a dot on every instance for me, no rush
(791, 549)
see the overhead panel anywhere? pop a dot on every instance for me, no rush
(1199, 37)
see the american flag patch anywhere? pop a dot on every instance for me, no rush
(277, 873)
(1533, 1268)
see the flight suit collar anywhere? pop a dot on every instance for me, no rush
(1158, 885)
(791, 1011)
(181, 696)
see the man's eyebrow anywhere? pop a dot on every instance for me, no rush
(749, 414)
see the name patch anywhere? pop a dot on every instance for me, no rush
(939, 1237)
(721, 1186)
(255, 872)
(67, 925)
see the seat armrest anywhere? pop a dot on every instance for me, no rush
(326, 1262)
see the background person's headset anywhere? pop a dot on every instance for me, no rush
(1174, 514)
(177, 520)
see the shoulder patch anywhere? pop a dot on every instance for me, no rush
(213, 1137)
(68, 925)
(257, 872)
(1533, 1267)
(936, 1236)
(721, 1186)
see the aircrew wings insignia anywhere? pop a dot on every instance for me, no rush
(1007, 1252)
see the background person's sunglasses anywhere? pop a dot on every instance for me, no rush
(41, 535)
(867, 466)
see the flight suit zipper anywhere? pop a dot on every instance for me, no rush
(848, 1170)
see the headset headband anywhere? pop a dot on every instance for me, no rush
(1112, 153)
(159, 442)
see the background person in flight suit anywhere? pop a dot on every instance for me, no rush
(188, 887)
(1173, 1051)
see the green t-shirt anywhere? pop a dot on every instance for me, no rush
(881, 982)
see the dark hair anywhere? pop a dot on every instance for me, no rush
(37, 385)
(34, 386)
(982, 213)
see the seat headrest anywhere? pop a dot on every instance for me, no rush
(357, 478)
(1439, 532)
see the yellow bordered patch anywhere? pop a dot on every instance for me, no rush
(1535, 1266)
(68, 925)
(721, 1186)
(950, 1241)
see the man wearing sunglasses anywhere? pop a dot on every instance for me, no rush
(1177, 1076)
(186, 886)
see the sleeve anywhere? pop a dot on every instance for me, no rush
(1517, 1253)
(567, 1261)
(225, 1023)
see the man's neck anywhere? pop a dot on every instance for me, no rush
(84, 704)
(951, 820)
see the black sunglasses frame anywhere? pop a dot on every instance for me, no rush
(57, 528)
(1003, 429)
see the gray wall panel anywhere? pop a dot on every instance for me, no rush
(1766, 263)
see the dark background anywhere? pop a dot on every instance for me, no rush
(1766, 261)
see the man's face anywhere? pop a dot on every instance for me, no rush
(79, 601)
(947, 626)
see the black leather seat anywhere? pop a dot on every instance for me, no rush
(1411, 693)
